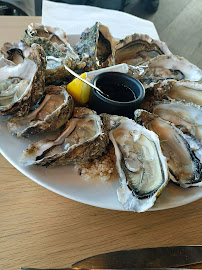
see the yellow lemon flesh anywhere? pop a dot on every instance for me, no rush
(79, 90)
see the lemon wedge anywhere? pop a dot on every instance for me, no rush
(79, 90)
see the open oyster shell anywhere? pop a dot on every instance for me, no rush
(140, 163)
(137, 49)
(84, 138)
(55, 70)
(184, 166)
(166, 67)
(51, 114)
(52, 39)
(183, 90)
(185, 116)
(16, 52)
(54, 42)
(95, 46)
(22, 85)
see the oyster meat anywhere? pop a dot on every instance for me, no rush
(137, 49)
(51, 114)
(95, 46)
(185, 116)
(166, 67)
(140, 163)
(184, 166)
(16, 52)
(55, 69)
(83, 139)
(190, 92)
(22, 85)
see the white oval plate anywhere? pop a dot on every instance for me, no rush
(66, 182)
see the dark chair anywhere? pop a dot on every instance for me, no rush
(150, 6)
(10, 9)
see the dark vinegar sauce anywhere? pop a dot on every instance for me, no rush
(116, 91)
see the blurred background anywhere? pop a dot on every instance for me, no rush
(34, 7)
(178, 23)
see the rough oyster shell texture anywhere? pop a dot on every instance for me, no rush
(53, 112)
(52, 39)
(22, 85)
(57, 48)
(84, 138)
(95, 46)
(55, 69)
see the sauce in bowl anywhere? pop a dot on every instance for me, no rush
(116, 91)
(122, 94)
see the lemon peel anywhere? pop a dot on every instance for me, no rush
(79, 90)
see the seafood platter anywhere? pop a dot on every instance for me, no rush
(139, 163)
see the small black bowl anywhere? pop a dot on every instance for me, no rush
(116, 81)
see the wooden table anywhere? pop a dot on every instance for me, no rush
(39, 228)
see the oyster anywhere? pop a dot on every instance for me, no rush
(185, 116)
(184, 166)
(51, 114)
(83, 139)
(54, 42)
(16, 52)
(137, 49)
(165, 67)
(95, 46)
(55, 70)
(190, 92)
(140, 163)
(196, 147)
(22, 85)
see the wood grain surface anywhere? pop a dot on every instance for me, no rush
(39, 228)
